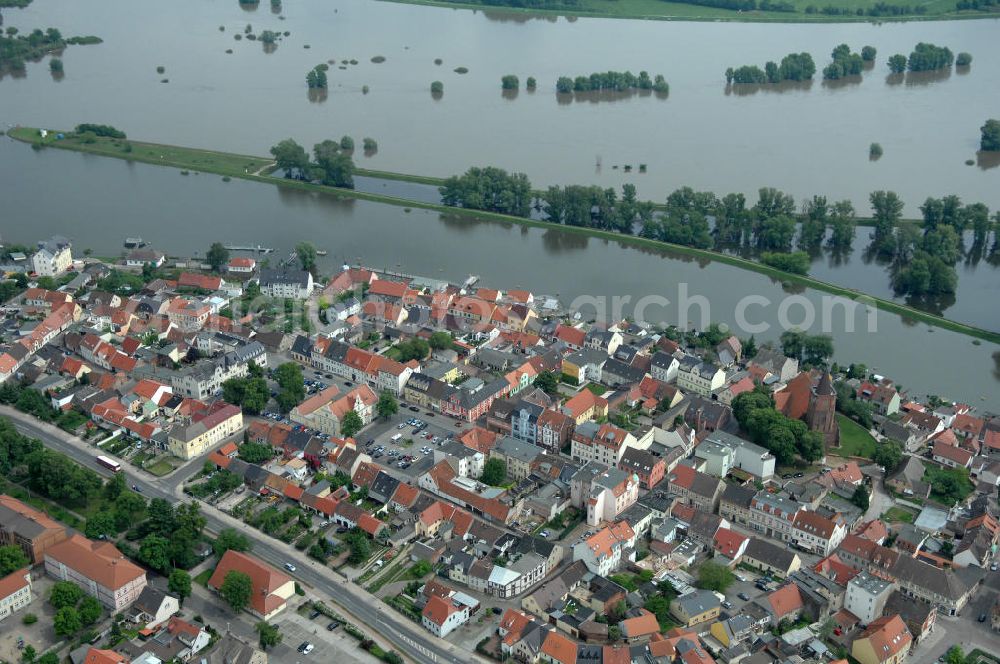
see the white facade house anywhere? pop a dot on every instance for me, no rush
(293, 284)
(866, 596)
(15, 592)
(442, 616)
(698, 377)
(53, 257)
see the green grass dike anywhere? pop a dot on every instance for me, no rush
(258, 169)
(659, 10)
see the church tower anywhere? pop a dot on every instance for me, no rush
(822, 413)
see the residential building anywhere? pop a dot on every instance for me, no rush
(695, 607)
(325, 411)
(818, 534)
(271, 589)
(603, 551)
(441, 616)
(153, 607)
(951, 456)
(746, 456)
(15, 592)
(205, 431)
(601, 443)
(517, 455)
(695, 376)
(99, 568)
(288, 284)
(611, 493)
(52, 257)
(187, 314)
(645, 465)
(885, 641)
(584, 406)
(771, 558)
(773, 514)
(664, 367)
(695, 488)
(866, 596)
(26, 527)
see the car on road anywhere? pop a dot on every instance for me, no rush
(414, 409)
(744, 597)
(497, 610)
(135, 487)
(290, 567)
(429, 414)
(993, 567)
(797, 475)
(982, 617)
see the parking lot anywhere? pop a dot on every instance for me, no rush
(328, 645)
(405, 442)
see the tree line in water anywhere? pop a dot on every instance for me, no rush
(921, 257)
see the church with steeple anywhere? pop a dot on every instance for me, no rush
(811, 397)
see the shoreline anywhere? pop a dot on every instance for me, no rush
(698, 13)
(248, 167)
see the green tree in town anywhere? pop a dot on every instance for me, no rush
(289, 379)
(101, 525)
(65, 594)
(360, 546)
(48, 658)
(114, 487)
(217, 256)
(307, 256)
(547, 382)
(179, 583)
(387, 405)
(494, 472)
(351, 424)
(236, 589)
(256, 453)
(441, 341)
(888, 454)
(66, 622)
(12, 558)
(154, 552)
(89, 610)
(231, 539)
(28, 654)
(713, 576)
(268, 635)
(954, 655)
(860, 498)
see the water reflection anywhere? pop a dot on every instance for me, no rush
(509, 95)
(518, 18)
(316, 95)
(248, 5)
(557, 241)
(919, 78)
(987, 160)
(842, 83)
(598, 96)
(747, 89)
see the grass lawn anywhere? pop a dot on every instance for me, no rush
(854, 439)
(161, 468)
(597, 388)
(657, 9)
(203, 577)
(898, 515)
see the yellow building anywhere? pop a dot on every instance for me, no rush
(696, 607)
(885, 641)
(205, 432)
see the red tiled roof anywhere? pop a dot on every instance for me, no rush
(265, 579)
(786, 600)
(559, 648)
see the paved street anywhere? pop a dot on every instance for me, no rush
(403, 635)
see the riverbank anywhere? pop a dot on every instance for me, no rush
(247, 168)
(657, 10)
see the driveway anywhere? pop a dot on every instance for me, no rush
(331, 646)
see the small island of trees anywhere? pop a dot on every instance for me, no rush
(437, 89)
(845, 63)
(510, 82)
(613, 81)
(332, 165)
(793, 67)
(989, 140)
(963, 59)
(16, 49)
(316, 78)
(924, 57)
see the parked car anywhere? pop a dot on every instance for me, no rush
(982, 617)
(332, 626)
(744, 597)
(414, 409)
(306, 648)
(544, 533)
(727, 604)
(314, 614)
